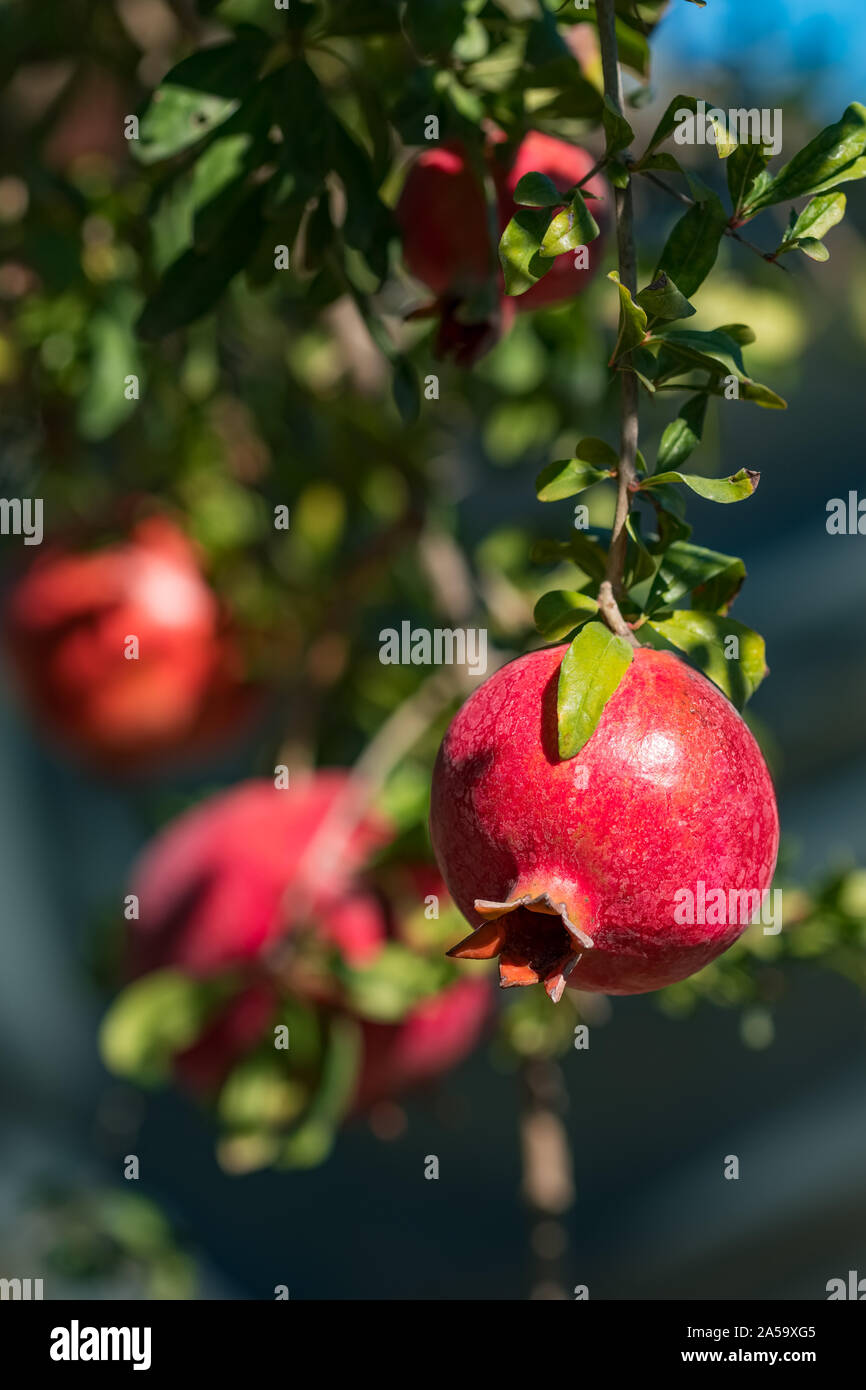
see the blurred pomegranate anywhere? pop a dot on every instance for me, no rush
(565, 165)
(443, 217)
(229, 884)
(447, 243)
(69, 620)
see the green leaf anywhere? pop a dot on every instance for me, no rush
(597, 451)
(717, 352)
(311, 1142)
(591, 670)
(367, 222)
(562, 610)
(640, 565)
(260, 1094)
(745, 166)
(406, 390)
(816, 219)
(687, 569)
(573, 227)
(114, 354)
(393, 983)
(520, 247)
(537, 191)
(693, 245)
(666, 127)
(740, 332)
(814, 249)
(632, 320)
(705, 638)
(617, 129)
(662, 300)
(432, 26)
(153, 1019)
(192, 284)
(683, 435)
(759, 394)
(197, 96)
(836, 155)
(700, 347)
(581, 549)
(818, 216)
(566, 478)
(733, 489)
(662, 162)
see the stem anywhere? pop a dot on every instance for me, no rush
(548, 1182)
(611, 587)
(729, 231)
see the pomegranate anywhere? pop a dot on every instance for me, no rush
(443, 217)
(228, 884)
(69, 619)
(576, 871)
(447, 243)
(565, 165)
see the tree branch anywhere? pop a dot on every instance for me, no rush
(729, 231)
(548, 1178)
(611, 588)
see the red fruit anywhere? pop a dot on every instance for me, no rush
(213, 887)
(231, 879)
(565, 165)
(570, 870)
(68, 622)
(437, 1035)
(442, 213)
(443, 217)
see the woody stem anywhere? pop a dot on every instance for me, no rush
(611, 587)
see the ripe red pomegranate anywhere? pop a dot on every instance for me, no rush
(228, 882)
(443, 216)
(68, 621)
(571, 870)
(448, 244)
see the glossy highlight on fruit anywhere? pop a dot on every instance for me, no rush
(570, 870)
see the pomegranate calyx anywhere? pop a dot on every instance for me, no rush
(527, 955)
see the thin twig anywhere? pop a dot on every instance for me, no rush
(611, 587)
(548, 1178)
(729, 231)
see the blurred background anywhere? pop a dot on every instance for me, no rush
(272, 399)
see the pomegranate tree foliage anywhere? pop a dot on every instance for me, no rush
(288, 128)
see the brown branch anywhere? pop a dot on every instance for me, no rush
(548, 1180)
(611, 588)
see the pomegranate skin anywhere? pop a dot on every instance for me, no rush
(227, 881)
(68, 619)
(443, 218)
(671, 791)
(213, 885)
